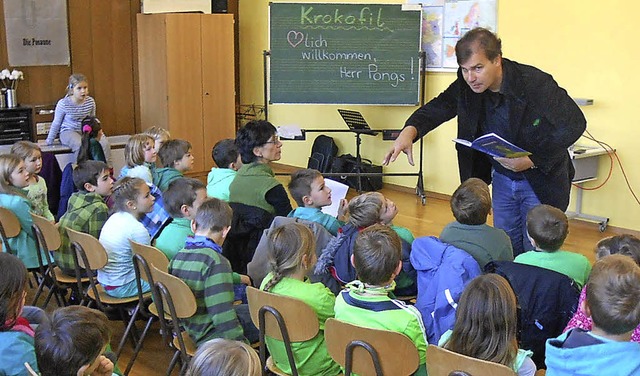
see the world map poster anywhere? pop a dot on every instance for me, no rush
(445, 21)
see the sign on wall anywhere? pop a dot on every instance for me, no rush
(37, 32)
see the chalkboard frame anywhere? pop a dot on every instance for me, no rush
(389, 74)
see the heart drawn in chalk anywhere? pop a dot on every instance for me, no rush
(295, 38)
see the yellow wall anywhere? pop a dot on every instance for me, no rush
(590, 50)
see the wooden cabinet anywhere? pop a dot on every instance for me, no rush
(187, 79)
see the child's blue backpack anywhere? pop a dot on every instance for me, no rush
(323, 151)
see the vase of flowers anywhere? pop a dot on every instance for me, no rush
(9, 81)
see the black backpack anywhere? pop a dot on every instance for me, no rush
(322, 153)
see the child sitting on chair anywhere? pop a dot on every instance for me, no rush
(486, 325)
(311, 194)
(367, 302)
(86, 209)
(471, 204)
(366, 210)
(207, 272)
(159, 135)
(547, 228)
(624, 244)
(37, 189)
(132, 200)
(226, 156)
(292, 253)
(613, 293)
(182, 200)
(176, 159)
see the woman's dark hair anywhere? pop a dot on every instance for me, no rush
(90, 127)
(255, 133)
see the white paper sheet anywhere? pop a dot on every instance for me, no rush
(338, 192)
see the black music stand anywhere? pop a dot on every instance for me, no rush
(356, 123)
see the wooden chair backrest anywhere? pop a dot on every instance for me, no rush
(151, 254)
(95, 252)
(300, 319)
(49, 231)
(397, 353)
(9, 222)
(182, 296)
(441, 362)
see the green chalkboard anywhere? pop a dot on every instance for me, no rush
(344, 54)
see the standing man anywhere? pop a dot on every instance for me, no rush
(518, 102)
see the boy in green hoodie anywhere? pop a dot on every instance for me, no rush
(176, 159)
(86, 209)
(226, 156)
(182, 200)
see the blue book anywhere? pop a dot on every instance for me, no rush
(495, 146)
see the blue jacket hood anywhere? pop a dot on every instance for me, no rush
(428, 253)
(605, 359)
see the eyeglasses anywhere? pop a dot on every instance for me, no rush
(275, 141)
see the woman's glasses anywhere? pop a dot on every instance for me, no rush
(275, 141)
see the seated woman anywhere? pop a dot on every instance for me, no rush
(255, 183)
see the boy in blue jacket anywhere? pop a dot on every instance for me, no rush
(613, 293)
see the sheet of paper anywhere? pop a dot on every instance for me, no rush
(338, 192)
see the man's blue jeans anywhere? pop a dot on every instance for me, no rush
(512, 200)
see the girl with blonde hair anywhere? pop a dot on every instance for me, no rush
(37, 188)
(140, 157)
(14, 177)
(76, 105)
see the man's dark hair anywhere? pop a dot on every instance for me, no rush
(471, 202)
(224, 152)
(478, 39)
(181, 191)
(548, 227)
(172, 151)
(73, 337)
(88, 171)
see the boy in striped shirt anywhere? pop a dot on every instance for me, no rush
(208, 273)
(368, 302)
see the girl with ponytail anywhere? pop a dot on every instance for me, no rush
(90, 148)
(291, 257)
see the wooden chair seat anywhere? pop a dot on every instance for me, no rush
(188, 343)
(441, 362)
(153, 309)
(110, 300)
(271, 365)
(65, 278)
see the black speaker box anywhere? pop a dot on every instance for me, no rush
(219, 6)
